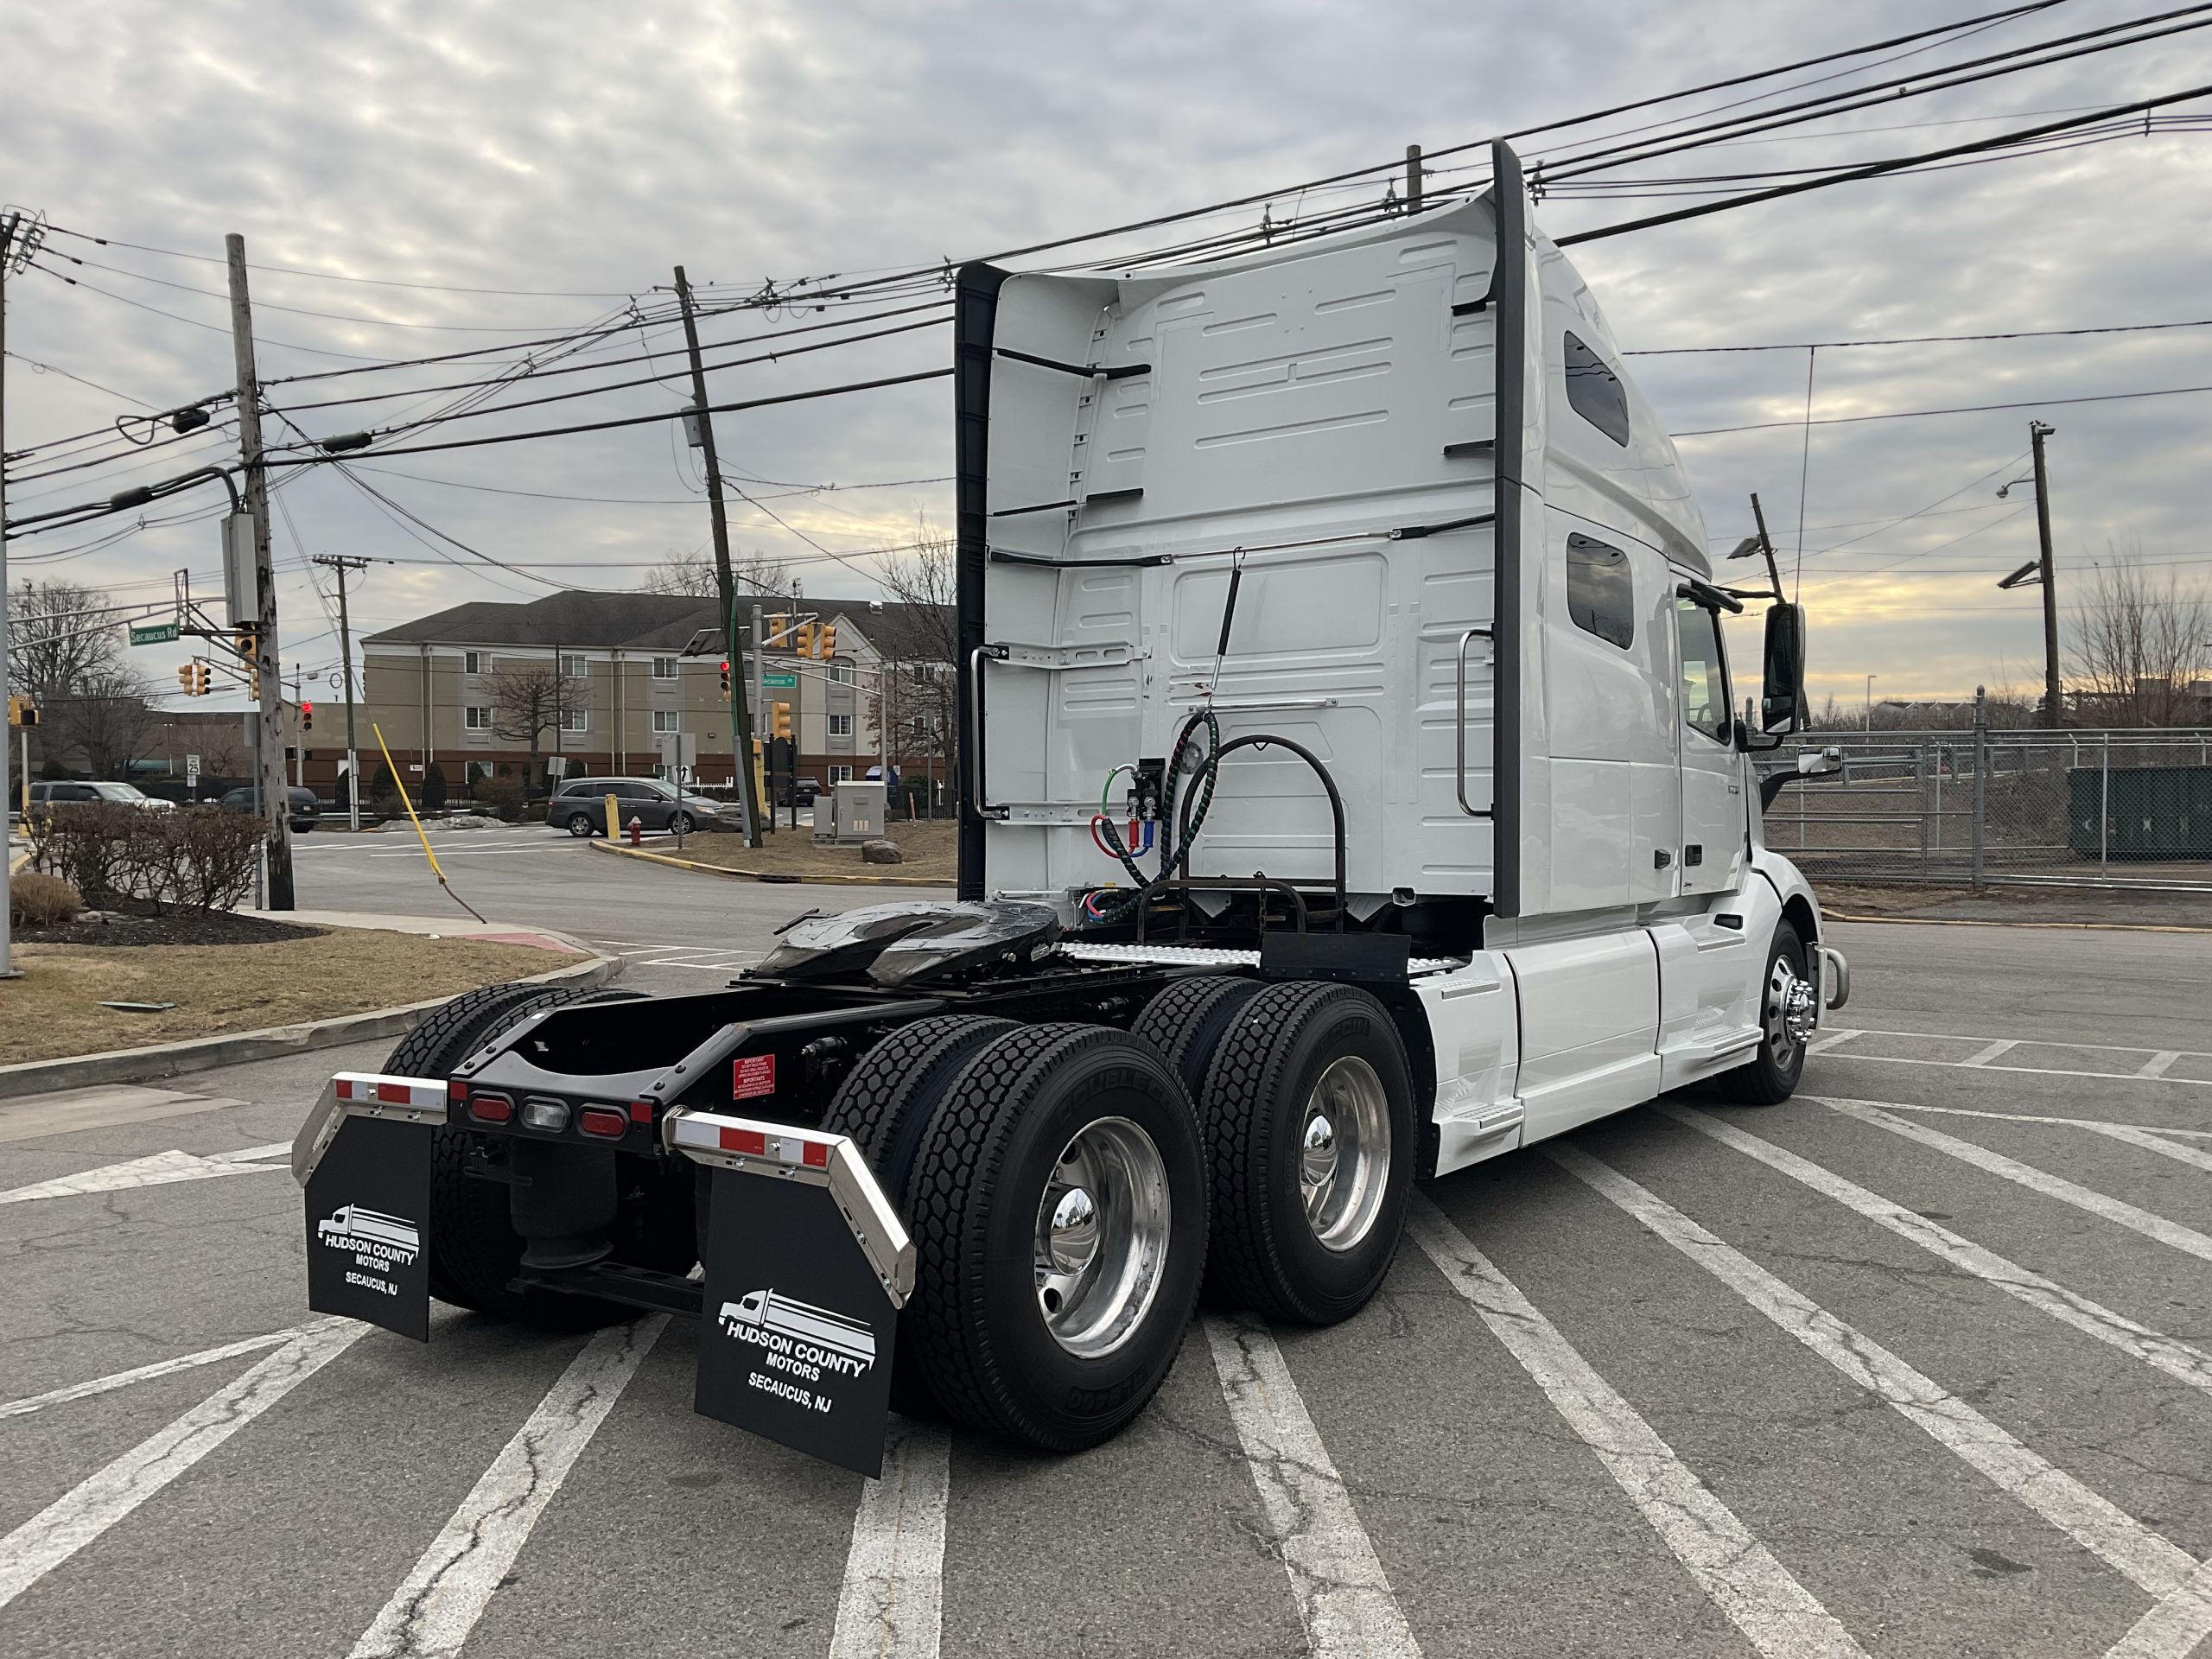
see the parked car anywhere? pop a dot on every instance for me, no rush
(800, 791)
(580, 806)
(306, 811)
(64, 790)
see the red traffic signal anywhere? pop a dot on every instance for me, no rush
(725, 679)
(307, 716)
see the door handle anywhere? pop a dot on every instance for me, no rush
(1693, 854)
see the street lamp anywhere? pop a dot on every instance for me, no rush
(1871, 678)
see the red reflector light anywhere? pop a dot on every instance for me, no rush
(603, 1121)
(456, 1090)
(641, 1112)
(395, 1094)
(816, 1153)
(491, 1109)
(746, 1141)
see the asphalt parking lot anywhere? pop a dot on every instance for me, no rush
(1919, 1362)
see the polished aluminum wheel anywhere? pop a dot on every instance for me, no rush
(1343, 1153)
(1101, 1236)
(1792, 1010)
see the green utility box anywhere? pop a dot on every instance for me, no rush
(2150, 812)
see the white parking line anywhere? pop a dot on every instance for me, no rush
(2172, 1233)
(2173, 1629)
(2098, 1525)
(81, 1515)
(2177, 1359)
(2004, 1045)
(438, 1604)
(159, 1169)
(1777, 1615)
(1821, 1044)
(2151, 1141)
(891, 1605)
(2038, 1118)
(2157, 1064)
(1344, 1598)
(115, 1379)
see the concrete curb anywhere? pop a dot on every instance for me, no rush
(173, 1059)
(1970, 921)
(770, 875)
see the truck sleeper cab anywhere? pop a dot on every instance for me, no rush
(1351, 792)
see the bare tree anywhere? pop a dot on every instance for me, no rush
(921, 693)
(59, 639)
(530, 699)
(693, 574)
(2142, 647)
(107, 717)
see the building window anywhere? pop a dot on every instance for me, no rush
(1595, 391)
(663, 668)
(1600, 593)
(475, 718)
(841, 774)
(471, 662)
(841, 673)
(664, 719)
(840, 725)
(575, 720)
(572, 668)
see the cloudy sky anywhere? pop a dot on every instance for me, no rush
(569, 154)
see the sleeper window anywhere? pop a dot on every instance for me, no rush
(1600, 593)
(1594, 391)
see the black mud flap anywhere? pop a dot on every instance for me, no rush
(806, 1268)
(368, 1225)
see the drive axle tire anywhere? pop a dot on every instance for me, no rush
(1060, 1219)
(1186, 1022)
(1787, 1000)
(1309, 1122)
(474, 1248)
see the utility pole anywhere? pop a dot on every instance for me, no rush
(2053, 703)
(8, 228)
(740, 716)
(269, 762)
(341, 565)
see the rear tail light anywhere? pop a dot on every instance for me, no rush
(491, 1109)
(549, 1114)
(603, 1121)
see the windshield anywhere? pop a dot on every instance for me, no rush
(117, 792)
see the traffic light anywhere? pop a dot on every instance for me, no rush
(22, 713)
(186, 679)
(725, 679)
(307, 716)
(780, 626)
(825, 641)
(780, 720)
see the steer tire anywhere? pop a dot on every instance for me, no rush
(474, 1249)
(996, 1139)
(1266, 1253)
(885, 1103)
(1186, 1022)
(1771, 1076)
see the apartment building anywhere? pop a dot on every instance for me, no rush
(598, 683)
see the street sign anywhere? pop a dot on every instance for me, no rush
(779, 682)
(152, 633)
(192, 771)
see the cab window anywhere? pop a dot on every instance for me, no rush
(1704, 670)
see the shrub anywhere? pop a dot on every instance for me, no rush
(212, 855)
(503, 793)
(434, 788)
(35, 900)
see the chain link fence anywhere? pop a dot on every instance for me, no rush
(2123, 808)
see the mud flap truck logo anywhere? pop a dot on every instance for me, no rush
(809, 1344)
(373, 1238)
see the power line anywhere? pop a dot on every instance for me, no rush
(1963, 408)
(1917, 340)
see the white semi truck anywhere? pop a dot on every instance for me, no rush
(1353, 790)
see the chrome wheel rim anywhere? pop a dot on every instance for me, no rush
(1343, 1153)
(1103, 1226)
(1791, 1010)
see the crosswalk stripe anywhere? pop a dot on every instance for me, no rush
(891, 1605)
(441, 1599)
(2186, 1239)
(88, 1509)
(115, 1379)
(2175, 1626)
(2177, 1359)
(1344, 1598)
(161, 1169)
(1777, 1615)
(2098, 1525)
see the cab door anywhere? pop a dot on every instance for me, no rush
(1716, 827)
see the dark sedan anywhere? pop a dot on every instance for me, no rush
(306, 810)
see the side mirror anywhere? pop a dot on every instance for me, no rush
(1781, 698)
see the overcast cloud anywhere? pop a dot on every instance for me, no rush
(587, 149)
